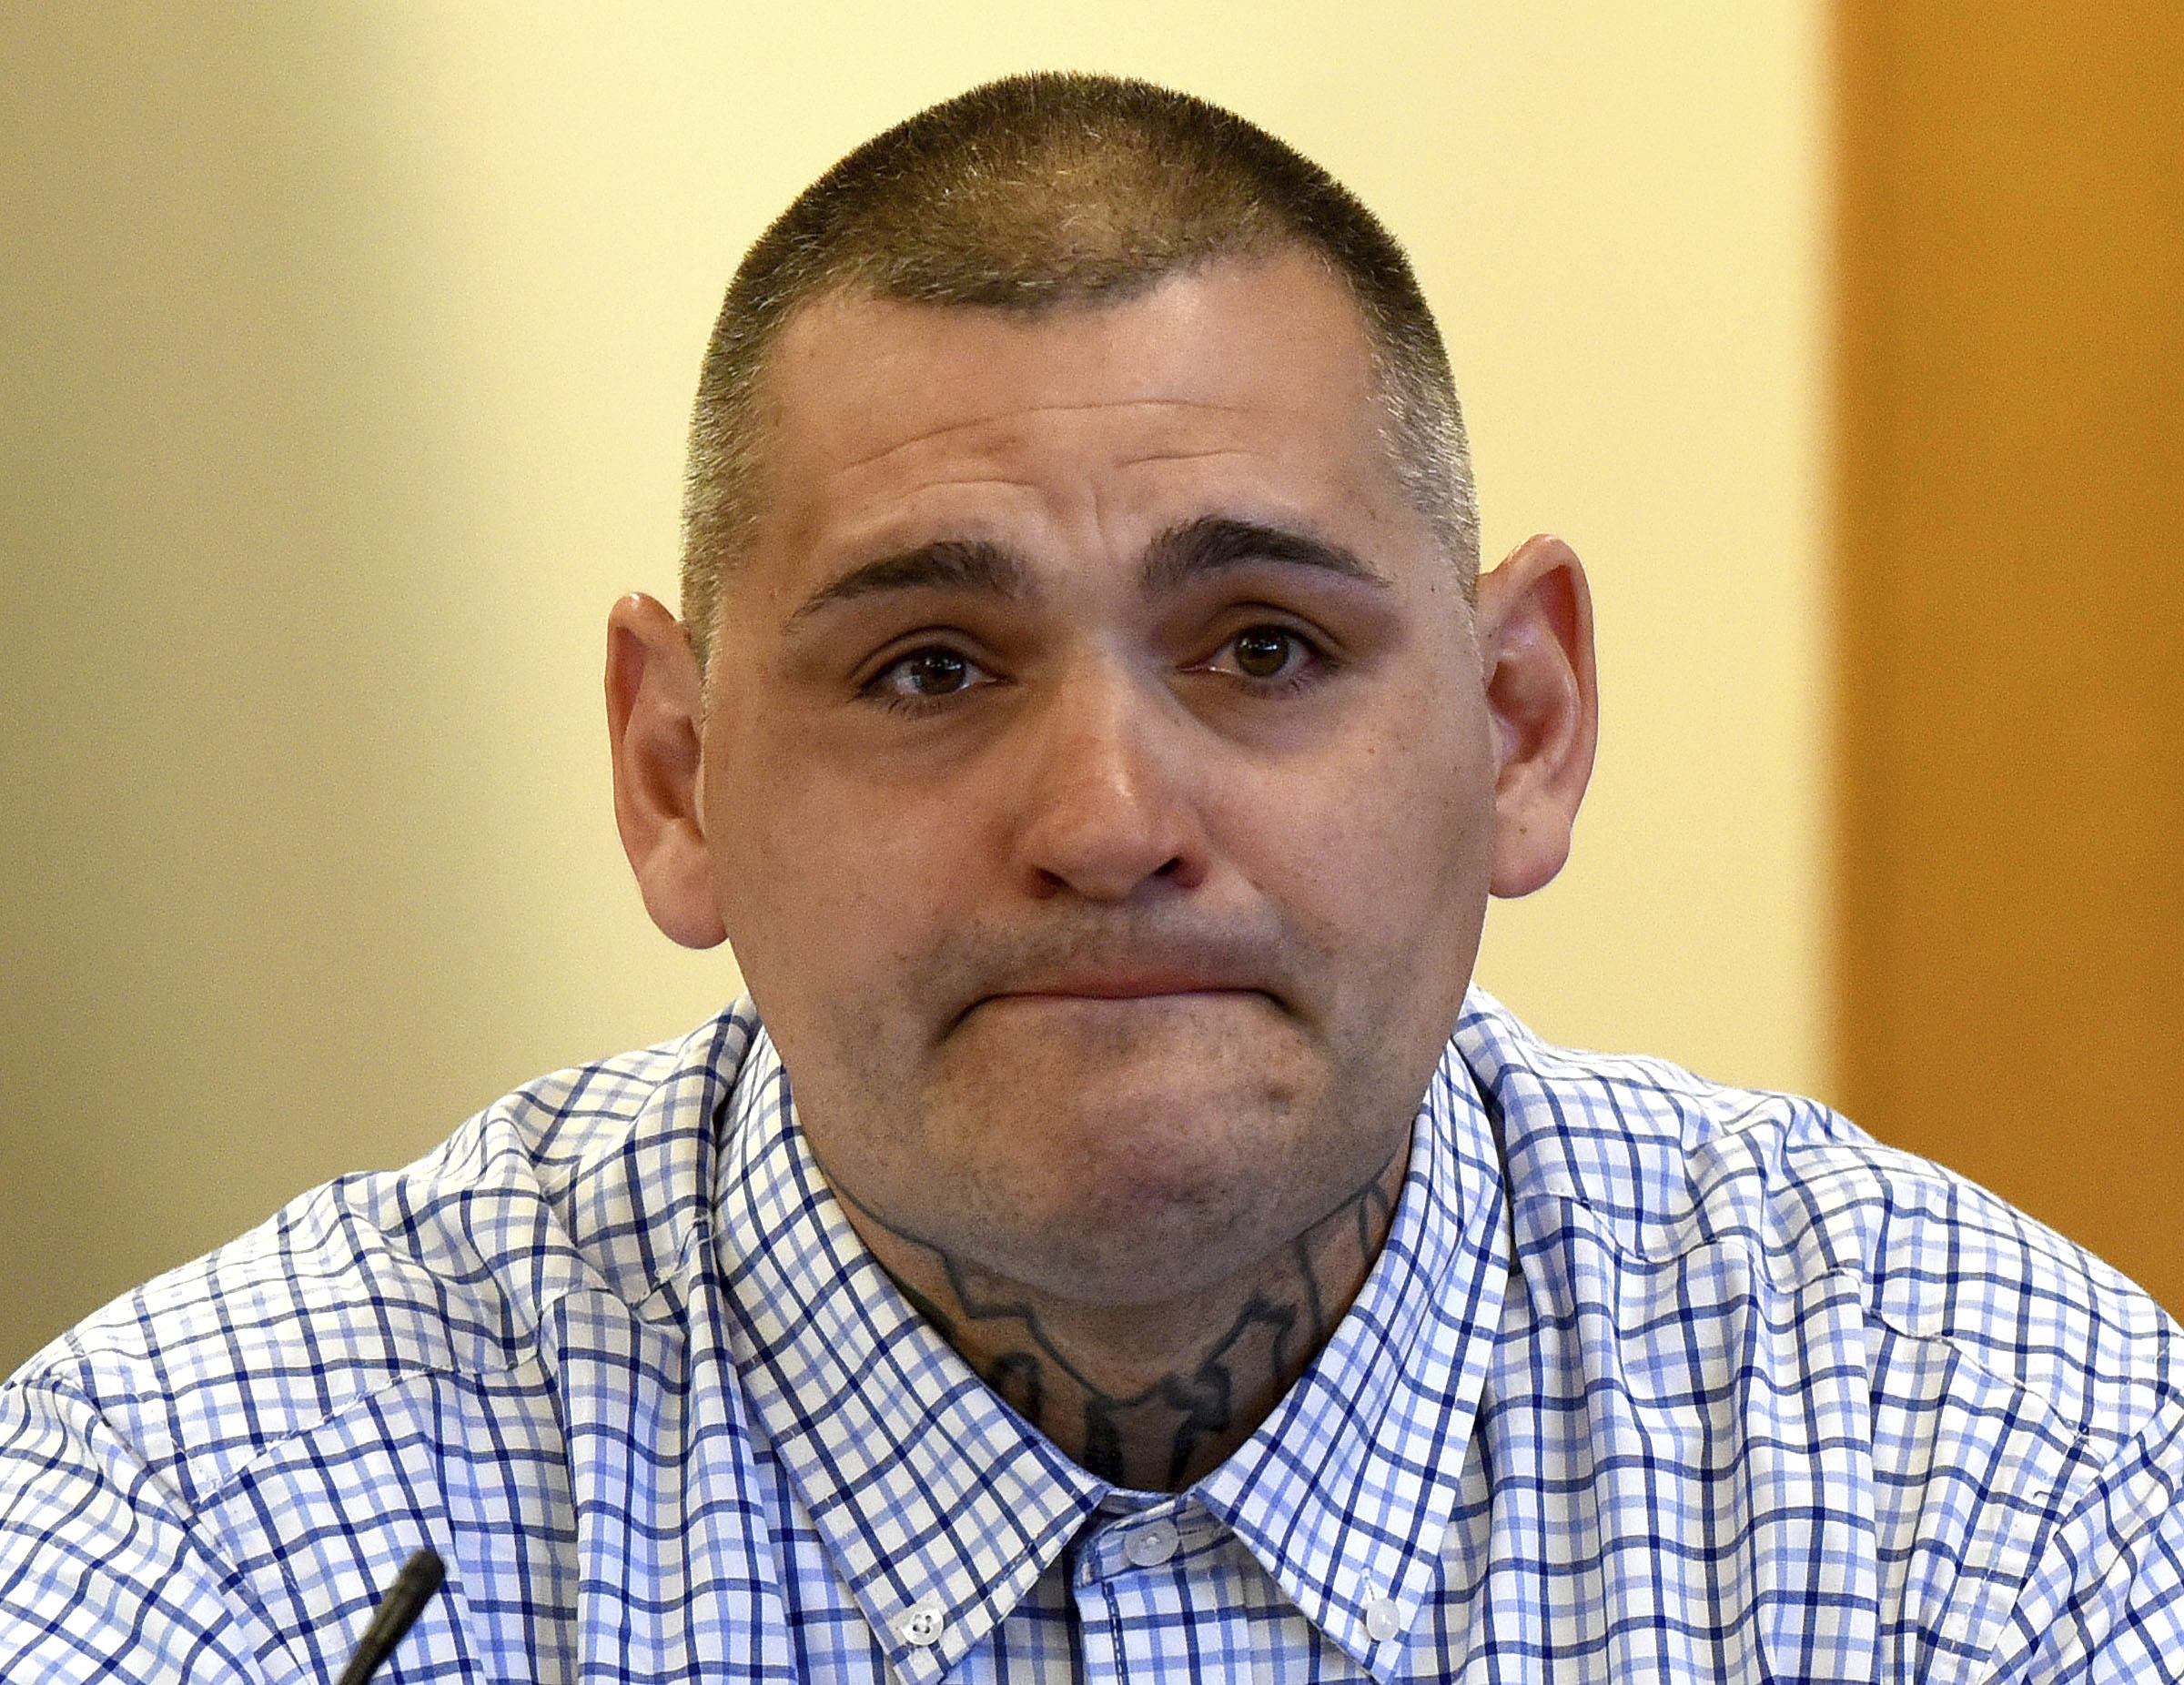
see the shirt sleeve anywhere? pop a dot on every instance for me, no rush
(103, 1575)
(2105, 1602)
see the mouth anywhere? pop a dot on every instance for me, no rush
(1103, 972)
(1123, 988)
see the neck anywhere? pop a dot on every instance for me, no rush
(1151, 1397)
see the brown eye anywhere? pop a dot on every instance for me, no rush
(1263, 652)
(934, 673)
(926, 673)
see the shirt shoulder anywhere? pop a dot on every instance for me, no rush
(1673, 1165)
(590, 1180)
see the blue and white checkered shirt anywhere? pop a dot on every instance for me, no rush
(1713, 1387)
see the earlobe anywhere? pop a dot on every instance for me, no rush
(1535, 633)
(655, 710)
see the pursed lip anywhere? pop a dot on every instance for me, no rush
(1127, 983)
(1183, 965)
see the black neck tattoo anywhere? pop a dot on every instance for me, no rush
(1169, 1433)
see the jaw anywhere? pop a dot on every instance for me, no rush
(1113, 1151)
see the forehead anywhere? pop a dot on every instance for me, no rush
(1245, 388)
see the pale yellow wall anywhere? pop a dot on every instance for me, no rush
(346, 354)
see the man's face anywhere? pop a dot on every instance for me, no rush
(1096, 775)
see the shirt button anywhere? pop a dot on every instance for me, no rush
(1151, 1544)
(1380, 1619)
(922, 1626)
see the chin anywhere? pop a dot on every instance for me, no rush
(1127, 1192)
(1131, 1056)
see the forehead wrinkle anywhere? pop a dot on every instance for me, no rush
(1186, 456)
(945, 428)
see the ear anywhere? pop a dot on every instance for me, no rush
(655, 707)
(1534, 618)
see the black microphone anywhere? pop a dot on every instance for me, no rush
(398, 1612)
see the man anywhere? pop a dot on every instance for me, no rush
(1089, 1253)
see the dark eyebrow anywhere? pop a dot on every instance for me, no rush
(957, 564)
(1212, 542)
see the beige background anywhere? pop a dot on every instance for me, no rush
(346, 354)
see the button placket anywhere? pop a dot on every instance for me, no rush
(1150, 1545)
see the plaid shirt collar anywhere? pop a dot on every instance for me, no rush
(930, 1495)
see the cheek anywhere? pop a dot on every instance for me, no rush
(1393, 813)
(1380, 866)
(828, 885)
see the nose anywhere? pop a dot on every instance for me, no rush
(1108, 792)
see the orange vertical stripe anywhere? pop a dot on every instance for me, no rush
(2010, 391)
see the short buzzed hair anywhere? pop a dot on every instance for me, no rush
(1039, 191)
